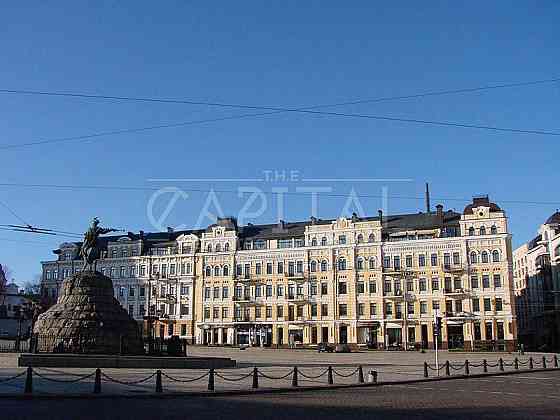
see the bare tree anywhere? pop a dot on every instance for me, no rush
(33, 287)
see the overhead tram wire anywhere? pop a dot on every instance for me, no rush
(288, 193)
(311, 110)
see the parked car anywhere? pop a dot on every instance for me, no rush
(342, 348)
(325, 348)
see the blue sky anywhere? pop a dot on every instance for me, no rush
(288, 54)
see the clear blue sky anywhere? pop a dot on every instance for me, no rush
(280, 54)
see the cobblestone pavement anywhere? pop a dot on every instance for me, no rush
(534, 395)
(275, 367)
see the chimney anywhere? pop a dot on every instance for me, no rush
(427, 197)
(169, 229)
(141, 234)
(281, 224)
(380, 212)
(354, 217)
(439, 210)
(313, 220)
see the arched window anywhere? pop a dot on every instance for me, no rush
(360, 264)
(371, 237)
(474, 258)
(209, 248)
(208, 271)
(482, 231)
(495, 256)
(360, 238)
(314, 242)
(323, 241)
(342, 264)
(226, 247)
(226, 270)
(493, 230)
(218, 248)
(371, 263)
(216, 271)
(313, 266)
(324, 265)
(484, 257)
(471, 231)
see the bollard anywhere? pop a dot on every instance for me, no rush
(544, 362)
(447, 370)
(516, 363)
(425, 369)
(294, 377)
(330, 376)
(97, 383)
(255, 378)
(555, 361)
(467, 371)
(501, 364)
(211, 380)
(28, 381)
(360, 375)
(159, 387)
(374, 376)
(530, 362)
(485, 366)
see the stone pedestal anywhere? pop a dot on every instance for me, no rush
(87, 319)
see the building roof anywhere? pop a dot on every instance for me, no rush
(554, 219)
(481, 201)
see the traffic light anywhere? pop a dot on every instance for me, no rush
(437, 325)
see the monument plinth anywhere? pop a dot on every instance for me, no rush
(87, 319)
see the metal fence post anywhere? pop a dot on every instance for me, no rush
(447, 368)
(467, 371)
(360, 374)
(501, 364)
(555, 361)
(531, 362)
(330, 375)
(294, 377)
(374, 376)
(211, 380)
(516, 363)
(485, 366)
(255, 378)
(159, 386)
(544, 362)
(97, 383)
(425, 369)
(28, 381)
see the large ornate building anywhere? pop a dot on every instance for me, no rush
(375, 281)
(536, 268)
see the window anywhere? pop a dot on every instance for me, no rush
(268, 268)
(258, 312)
(291, 268)
(280, 267)
(323, 241)
(209, 248)
(397, 262)
(423, 308)
(206, 293)
(313, 289)
(216, 271)
(410, 308)
(269, 290)
(284, 243)
(314, 309)
(486, 281)
(208, 271)
(360, 238)
(342, 289)
(226, 247)
(457, 283)
(493, 230)
(435, 283)
(421, 260)
(314, 242)
(216, 313)
(361, 288)
(324, 289)
(497, 280)
(484, 257)
(123, 272)
(247, 270)
(371, 237)
(389, 309)
(456, 258)
(279, 290)
(482, 231)
(131, 310)
(258, 291)
(476, 305)
(218, 248)
(387, 286)
(386, 261)
(434, 260)
(216, 292)
(259, 244)
(324, 265)
(342, 240)
(458, 306)
(473, 258)
(342, 264)
(269, 311)
(280, 311)
(410, 286)
(206, 313)
(299, 242)
(121, 291)
(372, 263)
(313, 266)
(373, 309)
(226, 270)
(342, 309)
(372, 287)
(299, 267)
(422, 285)
(499, 304)
(142, 291)
(446, 260)
(495, 256)
(324, 309)
(131, 291)
(471, 231)
(447, 284)
(360, 264)
(361, 309)
(258, 268)
(408, 261)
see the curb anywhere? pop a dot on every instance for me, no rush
(261, 391)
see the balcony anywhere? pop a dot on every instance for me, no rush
(243, 298)
(457, 292)
(295, 276)
(297, 298)
(454, 268)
